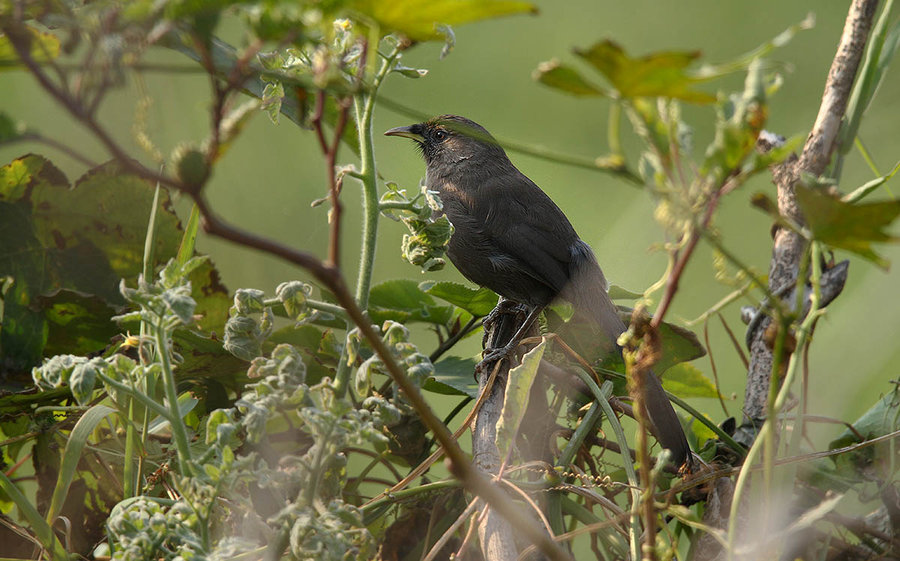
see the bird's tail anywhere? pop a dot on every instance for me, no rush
(587, 291)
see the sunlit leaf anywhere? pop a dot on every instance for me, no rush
(565, 78)
(515, 401)
(853, 227)
(686, 380)
(662, 74)
(44, 47)
(418, 19)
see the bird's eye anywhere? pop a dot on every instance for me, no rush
(439, 135)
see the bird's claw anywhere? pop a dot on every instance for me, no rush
(494, 355)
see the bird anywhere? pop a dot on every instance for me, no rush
(509, 236)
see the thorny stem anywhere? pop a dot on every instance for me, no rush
(329, 276)
(365, 106)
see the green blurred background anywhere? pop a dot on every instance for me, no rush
(267, 181)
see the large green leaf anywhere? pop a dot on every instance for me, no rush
(67, 248)
(213, 299)
(419, 19)
(478, 302)
(853, 227)
(77, 323)
(403, 301)
(662, 74)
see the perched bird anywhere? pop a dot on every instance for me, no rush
(509, 236)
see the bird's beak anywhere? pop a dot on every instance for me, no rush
(407, 132)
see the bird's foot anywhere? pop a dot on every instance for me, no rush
(492, 356)
(504, 307)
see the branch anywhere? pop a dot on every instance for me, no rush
(789, 246)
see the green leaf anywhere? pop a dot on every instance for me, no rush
(566, 79)
(310, 341)
(848, 226)
(454, 375)
(77, 323)
(417, 19)
(686, 380)
(662, 74)
(616, 292)
(478, 302)
(700, 431)
(77, 439)
(402, 301)
(9, 129)
(84, 378)
(189, 238)
(44, 47)
(882, 418)
(869, 186)
(678, 345)
(515, 401)
(212, 297)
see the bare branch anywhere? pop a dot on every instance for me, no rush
(789, 246)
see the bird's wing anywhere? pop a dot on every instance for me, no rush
(537, 235)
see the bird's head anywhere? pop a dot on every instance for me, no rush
(450, 142)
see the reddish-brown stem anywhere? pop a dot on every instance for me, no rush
(330, 151)
(682, 260)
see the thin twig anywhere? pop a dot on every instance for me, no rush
(683, 258)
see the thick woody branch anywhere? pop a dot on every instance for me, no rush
(789, 247)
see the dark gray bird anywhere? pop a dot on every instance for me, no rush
(510, 237)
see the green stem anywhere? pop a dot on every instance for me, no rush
(128, 483)
(179, 431)
(136, 394)
(364, 105)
